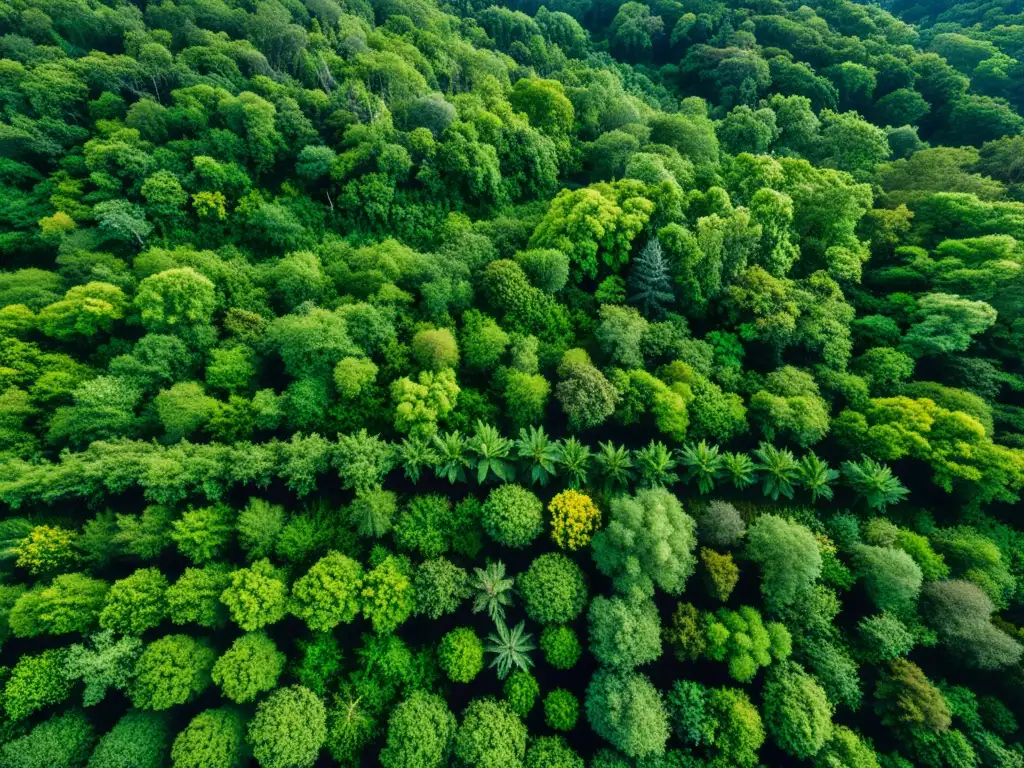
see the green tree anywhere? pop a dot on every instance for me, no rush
(420, 733)
(440, 588)
(625, 709)
(103, 664)
(797, 711)
(172, 670)
(259, 525)
(215, 738)
(513, 516)
(248, 668)
(328, 594)
(387, 597)
(37, 681)
(140, 739)
(624, 633)
(789, 557)
(490, 736)
(195, 596)
(553, 588)
(461, 655)
(65, 740)
(648, 540)
(561, 710)
(135, 603)
(288, 729)
(256, 596)
(70, 603)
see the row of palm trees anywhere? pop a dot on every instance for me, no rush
(536, 459)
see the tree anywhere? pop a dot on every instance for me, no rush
(619, 333)
(846, 748)
(585, 394)
(624, 633)
(288, 729)
(719, 524)
(259, 525)
(70, 603)
(174, 299)
(195, 596)
(493, 590)
(440, 588)
(65, 740)
(420, 733)
(256, 596)
(513, 516)
(561, 710)
(248, 668)
(553, 588)
(135, 603)
(140, 739)
(490, 736)
(648, 540)
(797, 712)
(215, 738)
(574, 519)
(789, 557)
(103, 664)
(435, 349)
(46, 549)
(511, 648)
(627, 711)
(561, 646)
(387, 598)
(961, 613)
(461, 655)
(905, 699)
(373, 511)
(172, 670)
(202, 534)
(328, 594)
(37, 681)
(649, 284)
(122, 220)
(551, 752)
(891, 577)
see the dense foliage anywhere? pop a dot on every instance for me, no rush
(429, 382)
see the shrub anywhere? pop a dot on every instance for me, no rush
(574, 519)
(560, 646)
(461, 655)
(561, 710)
(553, 589)
(513, 516)
(521, 691)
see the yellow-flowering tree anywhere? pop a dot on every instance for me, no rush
(574, 519)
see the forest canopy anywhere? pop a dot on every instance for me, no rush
(426, 383)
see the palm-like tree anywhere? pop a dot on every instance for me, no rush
(415, 453)
(493, 590)
(576, 458)
(702, 463)
(490, 452)
(616, 465)
(511, 648)
(452, 461)
(780, 470)
(739, 468)
(540, 454)
(656, 464)
(817, 476)
(875, 482)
